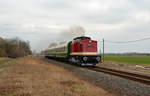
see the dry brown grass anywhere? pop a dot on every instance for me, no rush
(5, 62)
(3, 59)
(31, 76)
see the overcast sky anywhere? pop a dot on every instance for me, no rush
(42, 21)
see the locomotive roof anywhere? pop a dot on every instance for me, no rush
(82, 37)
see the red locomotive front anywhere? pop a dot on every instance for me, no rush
(84, 50)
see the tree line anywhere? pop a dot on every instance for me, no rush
(14, 47)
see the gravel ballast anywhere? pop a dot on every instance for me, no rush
(117, 85)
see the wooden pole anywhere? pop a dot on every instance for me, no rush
(103, 50)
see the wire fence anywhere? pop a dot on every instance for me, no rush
(138, 40)
(130, 46)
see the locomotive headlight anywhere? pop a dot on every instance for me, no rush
(85, 58)
(98, 58)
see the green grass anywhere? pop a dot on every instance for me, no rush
(145, 60)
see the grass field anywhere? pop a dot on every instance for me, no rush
(144, 60)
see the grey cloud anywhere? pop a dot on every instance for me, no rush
(56, 4)
(42, 21)
(112, 15)
(140, 4)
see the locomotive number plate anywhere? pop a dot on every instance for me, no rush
(90, 45)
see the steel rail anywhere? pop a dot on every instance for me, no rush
(127, 75)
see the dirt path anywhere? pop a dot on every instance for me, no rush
(31, 76)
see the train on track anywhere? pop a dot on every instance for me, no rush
(81, 51)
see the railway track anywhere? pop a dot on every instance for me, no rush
(127, 75)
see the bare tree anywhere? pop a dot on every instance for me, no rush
(15, 48)
(2, 48)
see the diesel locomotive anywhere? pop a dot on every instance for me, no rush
(81, 51)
